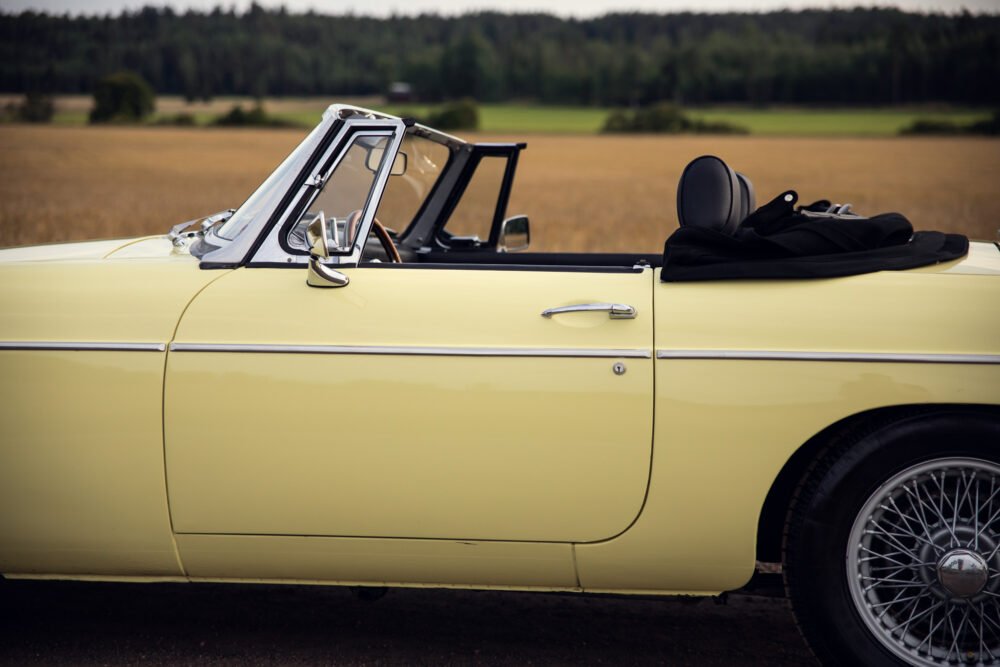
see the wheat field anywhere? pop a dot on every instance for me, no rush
(582, 193)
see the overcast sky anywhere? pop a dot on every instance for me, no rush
(579, 8)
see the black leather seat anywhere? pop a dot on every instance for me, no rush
(711, 195)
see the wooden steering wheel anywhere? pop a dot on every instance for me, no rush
(354, 219)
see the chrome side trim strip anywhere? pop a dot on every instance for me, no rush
(410, 351)
(83, 347)
(778, 355)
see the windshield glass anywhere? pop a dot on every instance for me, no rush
(406, 192)
(266, 198)
(345, 195)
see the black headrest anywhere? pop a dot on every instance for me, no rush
(712, 195)
(747, 197)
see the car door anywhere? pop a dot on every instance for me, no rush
(415, 402)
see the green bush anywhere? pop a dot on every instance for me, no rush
(255, 117)
(988, 127)
(929, 126)
(36, 108)
(460, 115)
(178, 120)
(664, 118)
(124, 97)
(617, 121)
(718, 127)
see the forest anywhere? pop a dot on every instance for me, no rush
(830, 57)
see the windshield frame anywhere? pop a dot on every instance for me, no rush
(237, 250)
(325, 172)
(276, 182)
(259, 243)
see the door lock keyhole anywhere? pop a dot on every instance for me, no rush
(618, 368)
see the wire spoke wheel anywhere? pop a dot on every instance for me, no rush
(923, 563)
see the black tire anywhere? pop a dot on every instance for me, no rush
(836, 616)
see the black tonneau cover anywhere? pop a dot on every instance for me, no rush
(777, 241)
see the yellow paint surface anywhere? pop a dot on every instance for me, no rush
(82, 488)
(498, 471)
(81, 464)
(456, 447)
(375, 561)
(725, 428)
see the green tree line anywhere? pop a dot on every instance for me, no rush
(859, 56)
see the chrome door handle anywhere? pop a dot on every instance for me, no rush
(616, 311)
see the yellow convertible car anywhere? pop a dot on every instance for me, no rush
(356, 377)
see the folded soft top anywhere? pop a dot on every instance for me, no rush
(776, 241)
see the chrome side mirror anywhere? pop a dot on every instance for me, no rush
(319, 274)
(515, 234)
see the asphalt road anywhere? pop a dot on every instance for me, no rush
(65, 623)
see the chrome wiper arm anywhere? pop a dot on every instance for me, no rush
(178, 238)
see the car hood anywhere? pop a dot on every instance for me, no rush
(140, 247)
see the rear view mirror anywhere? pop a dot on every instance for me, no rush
(316, 237)
(515, 234)
(375, 160)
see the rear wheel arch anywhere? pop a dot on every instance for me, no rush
(773, 516)
(850, 552)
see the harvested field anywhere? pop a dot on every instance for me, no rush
(582, 193)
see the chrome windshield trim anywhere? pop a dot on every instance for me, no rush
(271, 250)
(778, 355)
(414, 350)
(236, 251)
(60, 345)
(348, 111)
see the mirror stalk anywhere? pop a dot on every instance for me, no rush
(321, 275)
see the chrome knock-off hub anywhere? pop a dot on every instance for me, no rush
(923, 563)
(963, 573)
